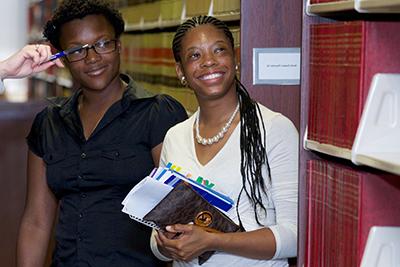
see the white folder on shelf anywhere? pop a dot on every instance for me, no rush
(377, 6)
(377, 142)
(382, 248)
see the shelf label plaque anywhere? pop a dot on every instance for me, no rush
(276, 66)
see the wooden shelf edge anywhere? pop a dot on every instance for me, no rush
(232, 16)
(377, 163)
(51, 78)
(328, 149)
(151, 25)
(323, 8)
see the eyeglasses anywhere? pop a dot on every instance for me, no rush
(100, 47)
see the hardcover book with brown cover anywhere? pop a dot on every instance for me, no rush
(183, 205)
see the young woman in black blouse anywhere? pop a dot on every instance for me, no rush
(87, 151)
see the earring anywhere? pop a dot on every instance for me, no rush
(237, 70)
(183, 81)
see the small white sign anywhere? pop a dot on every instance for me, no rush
(279, 66)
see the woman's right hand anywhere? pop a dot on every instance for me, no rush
(184, 242)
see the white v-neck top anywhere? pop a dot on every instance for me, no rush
(224, 172)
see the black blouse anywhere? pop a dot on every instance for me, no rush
(92, 177)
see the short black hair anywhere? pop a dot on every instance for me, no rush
(69, 10)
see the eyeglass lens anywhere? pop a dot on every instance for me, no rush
(101, 47)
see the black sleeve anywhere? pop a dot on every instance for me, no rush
(35, 136)
(166, 112)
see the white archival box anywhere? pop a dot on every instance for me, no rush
(382, 248)
(377, 142)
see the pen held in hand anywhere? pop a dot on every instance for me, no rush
(65, 53)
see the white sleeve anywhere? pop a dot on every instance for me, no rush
(283, 153)
(2, 88)
(163, 156)
(154, 248)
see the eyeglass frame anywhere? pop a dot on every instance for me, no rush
(86, 48)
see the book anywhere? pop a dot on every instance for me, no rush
(160, 182)
(344, 56)
(184, 205)
(343, 204)
(328, 1)
(166, 197)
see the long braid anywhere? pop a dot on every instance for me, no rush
(252, 140)
(252, 148)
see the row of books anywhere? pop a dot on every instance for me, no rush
(361, 6)
(344, 57)
(344, 202)
(171, 12)
(124, 3)
(38, 14)
(148, 58)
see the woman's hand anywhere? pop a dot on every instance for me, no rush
(29, 60)
(184, 242)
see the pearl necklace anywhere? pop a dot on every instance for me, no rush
(219, 135)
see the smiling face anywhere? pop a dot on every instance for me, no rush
(96, 71)
(207, 62)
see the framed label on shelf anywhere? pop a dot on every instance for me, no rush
(278, 66)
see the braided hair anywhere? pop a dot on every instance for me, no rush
(252, 140)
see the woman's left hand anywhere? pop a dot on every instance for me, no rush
(189, 242)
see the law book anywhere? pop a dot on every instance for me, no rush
(328, 1)
(196, 8)
(171, 10)
(344, 56)
(343, 204)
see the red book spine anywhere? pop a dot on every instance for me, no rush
(331, 47)
(310, 191)
(344, 56)
(344, 203)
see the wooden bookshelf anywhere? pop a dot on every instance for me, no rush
(332, 13)
(328, 149)
(146, 43)
(351, 6)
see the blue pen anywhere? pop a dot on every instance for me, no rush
(66, 52)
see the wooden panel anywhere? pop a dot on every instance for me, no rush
(15, 122)
(264, 24)
(269, 24)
